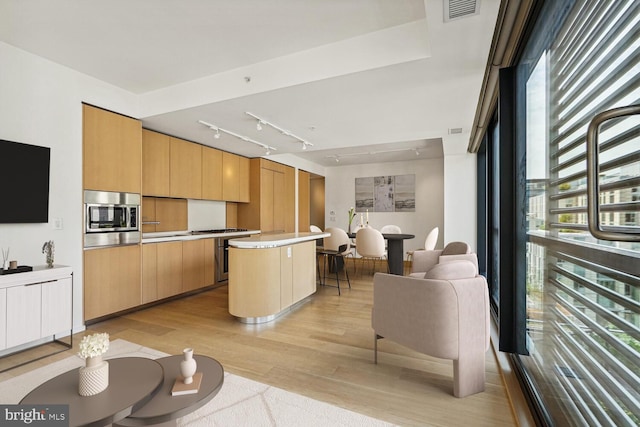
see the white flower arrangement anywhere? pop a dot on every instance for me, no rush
(94, 345)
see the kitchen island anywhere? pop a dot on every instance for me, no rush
(270, 273)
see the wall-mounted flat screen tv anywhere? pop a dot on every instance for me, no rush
(24, 183)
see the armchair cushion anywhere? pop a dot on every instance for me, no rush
(472, 257)
(452, 270)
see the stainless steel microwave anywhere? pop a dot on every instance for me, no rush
(111, 218)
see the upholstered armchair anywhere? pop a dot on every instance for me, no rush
(444, 313)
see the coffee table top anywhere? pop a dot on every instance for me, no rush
(132, 383)
(163, 407)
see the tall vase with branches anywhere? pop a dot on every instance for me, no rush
(352, 214)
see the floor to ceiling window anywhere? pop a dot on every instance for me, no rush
(582, 333)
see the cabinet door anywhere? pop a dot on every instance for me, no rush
(148, 214)
(211, 174)
(23, 314)
(230, 174)
(266, 200)
(304, 270)
(155, 163)
(192, 264)
(112, 279)
(289, 202)
(56, 307)
(185, 169)
(209, 262)
(112, 151)
(149, 272)
(171, 214)
(304, 201)
(286, 276)
(3, 319)
(279, 203)
(169, 269)
(244, 174)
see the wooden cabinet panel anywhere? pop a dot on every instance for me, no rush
(148, 214)
(23, 314)
(112, 280)
(286, 276)
(303, 270)
(254, 282)
(231, 210)
(209, 262)
(3, 319)
(185, 169)
(149, 272)
(243, 180)
(211, 174)
(279, 202)
(289, 203)
(304, 201)
(112, 151)
(266, 200)
(230, 175)
(171, 214)
(192, 264)
(169, 269)
(155, 163)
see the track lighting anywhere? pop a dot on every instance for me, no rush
(371, 153)
(268, 152)
(262, 121)
(244, 138)
(337, 159)
(417, 152)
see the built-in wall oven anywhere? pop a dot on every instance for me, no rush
(111, 218)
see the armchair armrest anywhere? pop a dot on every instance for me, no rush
(423, 261)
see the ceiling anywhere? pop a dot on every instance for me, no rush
(365, 80)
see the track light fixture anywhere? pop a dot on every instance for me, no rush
(371, 153)
(244, 138)
(262, 121)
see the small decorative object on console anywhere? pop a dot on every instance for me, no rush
(5, 259)
(352, 213)
(48, 248)
(94, 377)
(189, 381)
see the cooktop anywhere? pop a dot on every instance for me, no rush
(219, 230)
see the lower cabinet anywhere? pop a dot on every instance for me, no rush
(38, 305)
(171, 268)
(112, 280)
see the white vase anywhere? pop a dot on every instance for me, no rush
(188, 366)
(94, 377)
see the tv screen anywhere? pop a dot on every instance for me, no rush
(24, 176)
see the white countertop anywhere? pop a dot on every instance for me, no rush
(275, 240)
(40, 273)
(171, 236)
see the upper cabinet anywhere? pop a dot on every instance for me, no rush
(185, 169)
(235, 178)
(155, 163)
(272, 204)
(211, 174)
(112, 151)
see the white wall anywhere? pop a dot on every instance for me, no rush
(40, 104)
(429, 213)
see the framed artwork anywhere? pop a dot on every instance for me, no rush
(386, 193)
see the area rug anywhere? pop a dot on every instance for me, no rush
(240, 402)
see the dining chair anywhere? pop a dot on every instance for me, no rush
(429, 243)
(336, 247)
(391, 229)
(315, 229)
(370, 244)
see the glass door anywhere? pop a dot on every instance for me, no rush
(582, 293)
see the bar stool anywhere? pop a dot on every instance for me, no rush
(333, 256)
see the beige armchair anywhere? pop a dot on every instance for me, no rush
(444, 313)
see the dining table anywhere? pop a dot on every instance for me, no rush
(395, 250)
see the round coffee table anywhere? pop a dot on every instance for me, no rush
(132, 383)
(164, 407)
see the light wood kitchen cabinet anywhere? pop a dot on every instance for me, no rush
(149, 272)
(243, 179)
(148, 215)
(272, 201)
(304, 201)
(197, 264)
(112, 151)
(231, 210)
(169, 269)
(185, 169)
(230, 177)
(164, 214)
(211, 174)
(112, 280)
(155, 163)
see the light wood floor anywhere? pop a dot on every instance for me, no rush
(323, 350)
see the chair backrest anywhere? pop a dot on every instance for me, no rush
(456, 248)
(370, 243)
(338, 238)
(432, 239)
(315, 229)
(391, 229)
